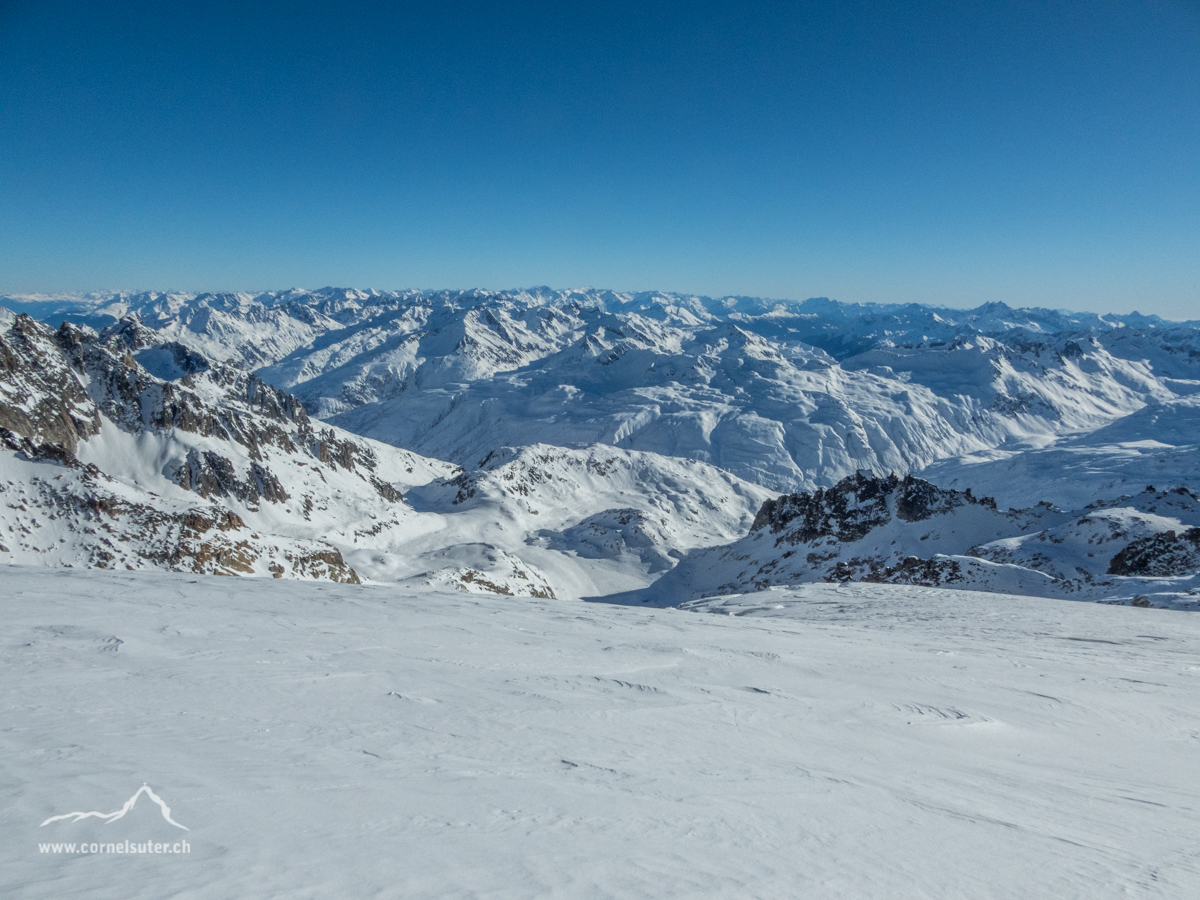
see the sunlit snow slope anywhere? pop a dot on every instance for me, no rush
(861, 741)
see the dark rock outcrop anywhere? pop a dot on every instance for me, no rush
(211, 474)
(935, 572)
(1160, 555)
(56, 388)
(27, 449)
(40, 397)
(129, 335)
(849, 510)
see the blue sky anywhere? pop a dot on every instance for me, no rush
(950, 153)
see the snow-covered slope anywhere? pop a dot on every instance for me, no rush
(249, 329)
(832, 741)
(843, 329)
(783, 416)
(1158, 444)
(1142, 549)
(588, 520)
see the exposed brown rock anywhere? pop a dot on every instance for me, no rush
(41, 398)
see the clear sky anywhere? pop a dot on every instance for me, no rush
(1039, 153)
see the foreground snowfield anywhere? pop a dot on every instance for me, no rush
(324, 740)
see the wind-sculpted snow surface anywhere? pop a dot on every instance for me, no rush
(854, 741)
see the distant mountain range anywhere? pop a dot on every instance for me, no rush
(566, 443)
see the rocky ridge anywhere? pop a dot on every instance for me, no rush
(909, 531)
(79, 402)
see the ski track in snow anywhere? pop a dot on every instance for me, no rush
(322, 740)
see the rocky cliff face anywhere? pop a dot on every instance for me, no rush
(77, 515)
(84, 427)
(40, 396)
(849, 510)
(1163, 554)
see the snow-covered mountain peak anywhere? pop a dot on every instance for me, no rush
(537, 387)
